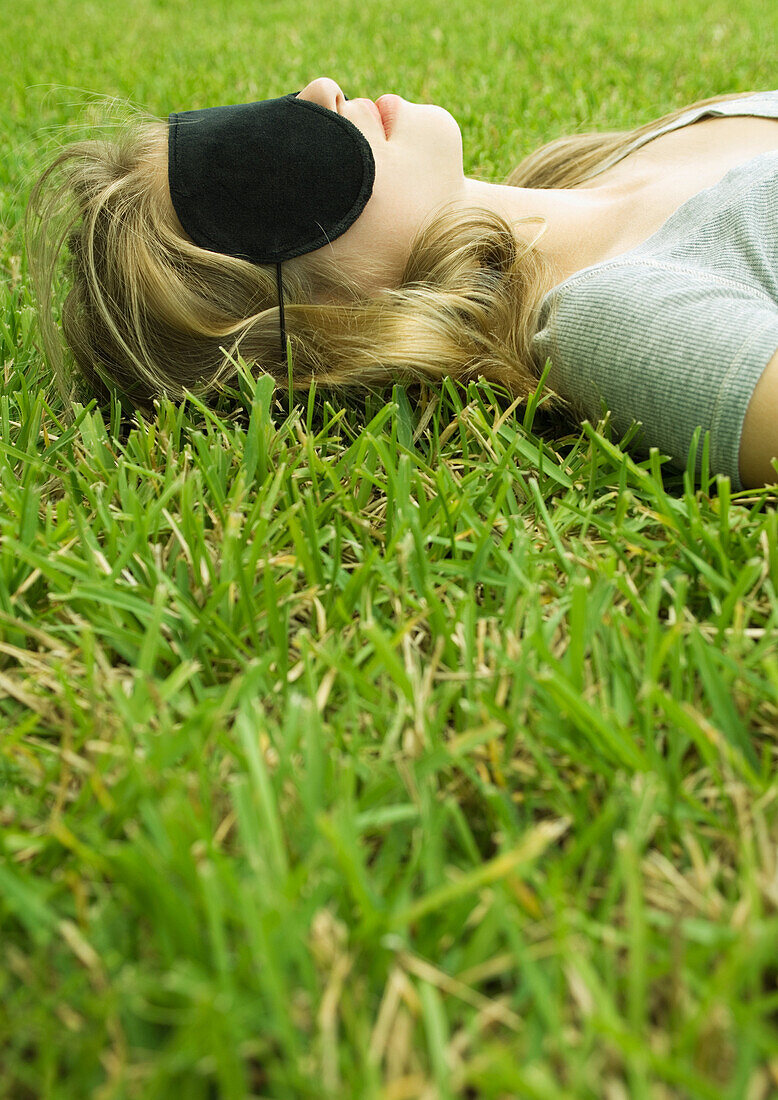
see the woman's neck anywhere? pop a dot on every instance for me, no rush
(583, 225)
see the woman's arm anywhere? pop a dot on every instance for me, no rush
(759, 440)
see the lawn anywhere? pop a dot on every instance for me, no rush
(394, 746)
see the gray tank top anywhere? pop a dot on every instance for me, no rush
(676, 332)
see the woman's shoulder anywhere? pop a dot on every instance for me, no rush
(721, 233)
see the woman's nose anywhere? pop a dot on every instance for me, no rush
(324, 91)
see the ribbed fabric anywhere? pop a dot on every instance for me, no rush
(677, 332)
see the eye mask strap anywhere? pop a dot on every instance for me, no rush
(282, 325)
(280, 292)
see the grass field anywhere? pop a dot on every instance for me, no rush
(378, 748)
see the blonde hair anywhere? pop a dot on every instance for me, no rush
(149, 312)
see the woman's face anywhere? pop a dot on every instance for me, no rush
(418, 167)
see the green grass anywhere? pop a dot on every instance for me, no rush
(384, 748)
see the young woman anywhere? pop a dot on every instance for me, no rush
(643, 264)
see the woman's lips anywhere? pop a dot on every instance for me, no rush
(388, 106)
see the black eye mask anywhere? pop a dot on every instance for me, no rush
(267, 181)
